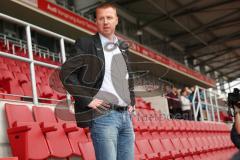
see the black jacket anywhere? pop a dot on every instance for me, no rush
(235, 137)
(83, 77)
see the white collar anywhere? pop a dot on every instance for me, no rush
(105, 40)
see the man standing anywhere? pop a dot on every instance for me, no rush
(105, 85)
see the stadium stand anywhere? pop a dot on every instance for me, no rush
(182, 139)
(156, 136)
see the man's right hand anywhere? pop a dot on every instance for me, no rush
(237, 108)
(98, 104)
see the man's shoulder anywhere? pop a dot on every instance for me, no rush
(86, 39)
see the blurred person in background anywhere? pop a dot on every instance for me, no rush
(185, 105)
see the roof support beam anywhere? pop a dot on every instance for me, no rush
(221, 25)
(236, 70)
(203, 27)
(212, 58)
(224, 65)
(229, 49)
(153, 3)
(171, 13)
(221, 60)
(233, 78)
(218, 40)
(124, 13)
(199, 9)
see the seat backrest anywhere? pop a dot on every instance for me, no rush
(185, 142)
(18, 113)
(3, 67)
(177, 143)
(87, 151)
(144, 146)
(57, 140)
(156, 145)
(15, 88)
(167, 144)
(75, 138)
(147, 135)
(199, 142)
(27, 89)
(44, 114)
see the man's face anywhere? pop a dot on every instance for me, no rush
(106, 21)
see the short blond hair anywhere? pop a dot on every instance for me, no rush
(104, 6)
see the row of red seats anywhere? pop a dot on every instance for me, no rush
(141, 104)
(54, 131)
(163, 139)
(183, 148)
(15, 79)
(151, 120)
(50, 136)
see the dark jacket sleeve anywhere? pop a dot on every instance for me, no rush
(131, 89)
(130, 81)
(81, 47)
(235, 137)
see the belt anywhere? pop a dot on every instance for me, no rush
(118, 107)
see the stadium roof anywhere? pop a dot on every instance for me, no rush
(204, 30)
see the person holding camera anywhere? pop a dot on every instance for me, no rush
(234, 102)
(235, 132)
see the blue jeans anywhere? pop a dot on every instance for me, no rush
(113, 136)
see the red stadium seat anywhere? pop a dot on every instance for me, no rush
(193, 143)
(24, 133)
(3, 67)
(137, 154)
(2, 92)
(9, 62)
(45, 91)
(66, 118)
(169, 147)
(6, 75)
(139, 124)
(57, 140)
(15, 69)
(192, 150)
(147, 135)
(22, 78)
(145, 148)
(16, 90)
(160, 149)
(76, 137)
(27, 89)
(180, 147)
(138, 135)
(87, 151)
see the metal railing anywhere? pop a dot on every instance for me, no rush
(30, 47)
(205, 105)
(22, 44)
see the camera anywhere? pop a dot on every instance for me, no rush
(234, 99)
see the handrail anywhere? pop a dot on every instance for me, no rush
(36, 47)
(29, 48)
(206, 101)
(28, 60)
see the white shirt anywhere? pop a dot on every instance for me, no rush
(185, 102)
(108, 91)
